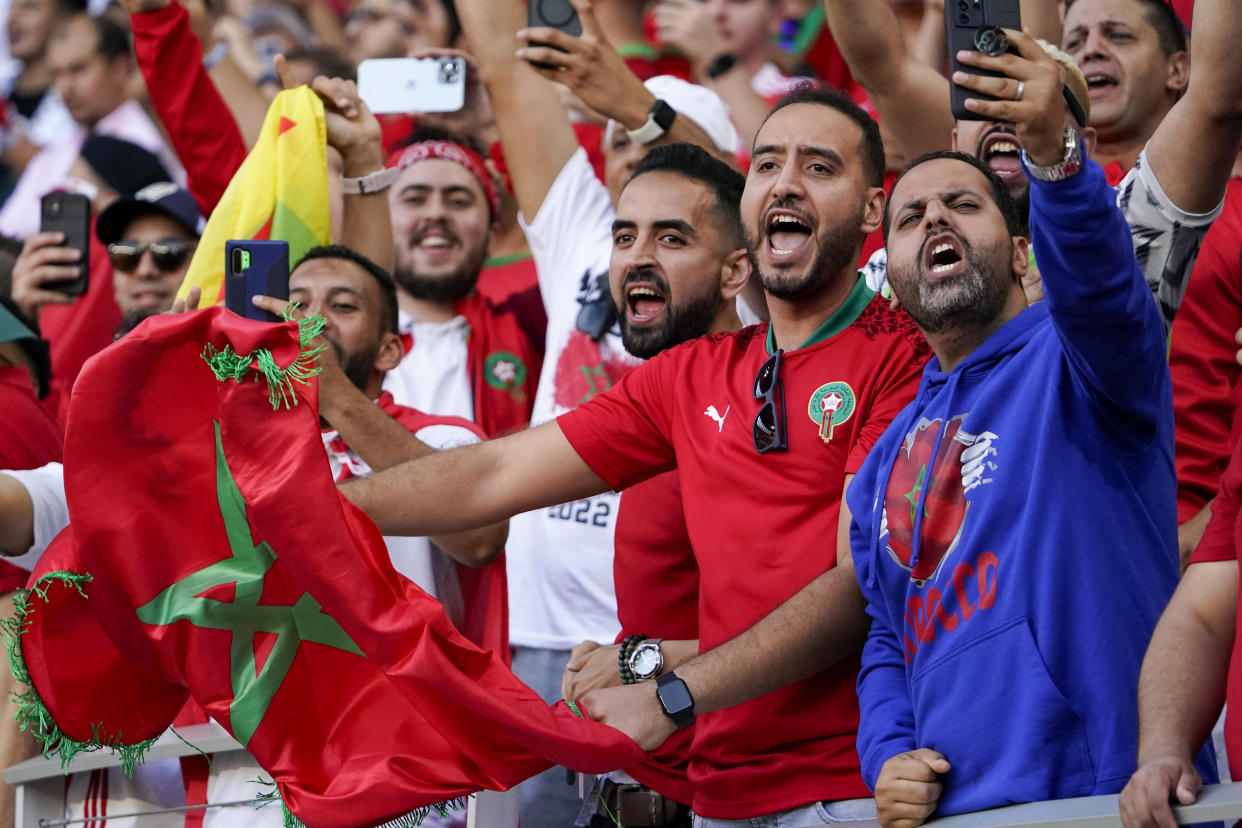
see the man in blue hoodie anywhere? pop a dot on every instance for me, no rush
(1014, 529)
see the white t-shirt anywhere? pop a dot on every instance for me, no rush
(560, 559)
(434, 376)
(46, 488)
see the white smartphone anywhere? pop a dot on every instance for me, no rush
(436, 84)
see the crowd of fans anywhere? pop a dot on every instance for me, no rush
(575, 326)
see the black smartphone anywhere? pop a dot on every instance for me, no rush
(975, 25)
(556, 14)
(255, 268)
(69, 213)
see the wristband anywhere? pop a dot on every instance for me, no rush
(659, 119)
(371, 182)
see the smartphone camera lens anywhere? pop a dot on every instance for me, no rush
(963, 19)
(450, 68)
(991, 40)
(963, 5)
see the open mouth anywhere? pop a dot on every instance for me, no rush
(644, 302)
(943, 256)
(787, 234)
(1000, 153)
(1099, 83)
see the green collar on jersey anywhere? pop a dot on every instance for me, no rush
(841, 319)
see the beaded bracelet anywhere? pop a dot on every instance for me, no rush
(623, 657)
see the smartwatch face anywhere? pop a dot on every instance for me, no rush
(675, 697)
(646, 660)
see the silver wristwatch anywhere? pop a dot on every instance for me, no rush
(1068, 165)
(647, 661)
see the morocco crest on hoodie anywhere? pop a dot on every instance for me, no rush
(209, 556)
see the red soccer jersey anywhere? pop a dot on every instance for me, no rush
(1201, 360)
(762, 525)
(1222, 541)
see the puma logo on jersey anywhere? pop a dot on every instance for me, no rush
(717, 416)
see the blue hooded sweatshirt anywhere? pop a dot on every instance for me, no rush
(1015, 532)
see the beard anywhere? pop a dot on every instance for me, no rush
(684, 320)
(971, 299)
(356, 365)
(835, 252)
(443, 288)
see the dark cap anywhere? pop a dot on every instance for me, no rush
(164, 198)
(124, 166)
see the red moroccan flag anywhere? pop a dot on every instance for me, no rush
(223, 565)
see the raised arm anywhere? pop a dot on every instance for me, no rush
(1193, 149)
(911, 97)
(473, 486)
(592, 69)
(200, 127)
(534, 130)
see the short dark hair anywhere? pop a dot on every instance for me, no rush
(1015, 223)
(111, 38)
(1159, 14)
(870, 148)
(430, 132)
(387, 285)
(696, 164)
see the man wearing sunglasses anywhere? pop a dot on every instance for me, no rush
(150, 238)
(797, 405)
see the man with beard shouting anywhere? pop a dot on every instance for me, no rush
(799, 403)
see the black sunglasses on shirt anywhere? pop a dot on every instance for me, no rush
(768, 431)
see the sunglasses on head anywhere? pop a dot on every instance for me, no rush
(167, 254)
(768, 431)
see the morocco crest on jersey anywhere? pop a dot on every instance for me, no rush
(210, 557)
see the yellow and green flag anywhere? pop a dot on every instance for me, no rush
(279, 192)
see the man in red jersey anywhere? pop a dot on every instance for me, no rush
(797, 403)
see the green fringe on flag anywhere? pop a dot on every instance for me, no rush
(32, 715)
(227, 364)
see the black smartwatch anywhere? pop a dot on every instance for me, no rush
(675, 699)
(659, 119)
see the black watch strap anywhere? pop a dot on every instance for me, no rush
(675, 699)
(659, 119)
(719, 65)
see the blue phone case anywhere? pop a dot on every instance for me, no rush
(255, 268)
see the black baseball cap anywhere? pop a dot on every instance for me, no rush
(163, 198)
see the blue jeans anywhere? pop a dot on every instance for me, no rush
(546, 800)
(807, 816)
